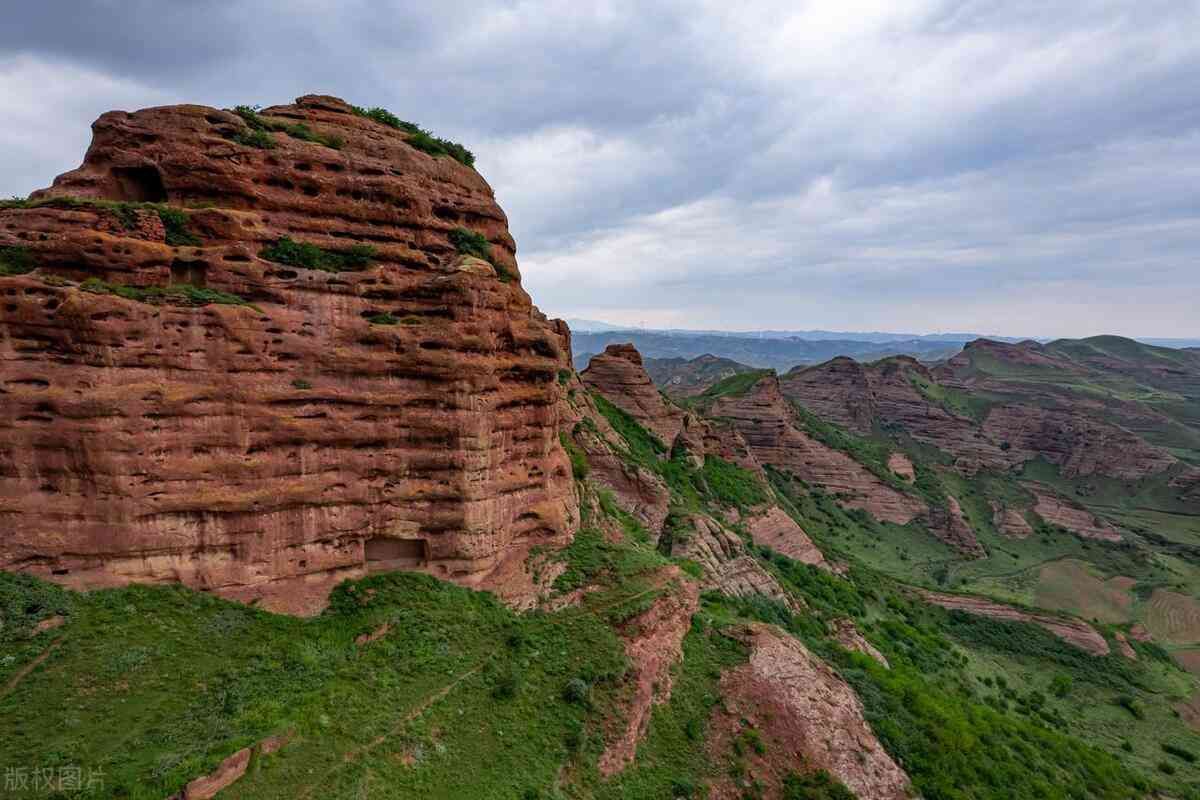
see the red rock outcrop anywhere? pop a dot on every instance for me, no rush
(1010, 521)
(1070, 630)
(778, 531)
(949, 525)
(805, 714)
(1079, 445)
(653, 643)
(899, 464)
(1078, 521)
(862, 396)
(728, 567)
(848, 636)
(766, 422)
(267, 451)
(618, 374)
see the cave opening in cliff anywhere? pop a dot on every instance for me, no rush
(384, 554)
(139, 184)
(193, 272)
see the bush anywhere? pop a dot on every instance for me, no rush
(309, 256)
(175, 223)
(471, 243)
(577, 691)
(15, 260)
(300, 383)
(507, 683)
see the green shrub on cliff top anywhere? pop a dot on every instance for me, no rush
(418, 137)
(259, 128)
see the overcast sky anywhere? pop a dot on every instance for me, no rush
(1023, 167)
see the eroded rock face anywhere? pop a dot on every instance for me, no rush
(1010, 521)
(1078, 521)
(728, 568)
(951, 526)
(1080, 446)
(861, 396)
(266, 452)
(765, 421)
(1070, 630)
(776, 530)
(618, 374)
(808, 718)
(653, 643)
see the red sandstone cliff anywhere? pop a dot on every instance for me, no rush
(265, 452)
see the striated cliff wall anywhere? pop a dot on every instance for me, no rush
(271, 428)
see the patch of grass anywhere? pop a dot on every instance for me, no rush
(418, 137)
(175, 223)
(819, 785)
(735, 385)
(180, 293)
(153, 686)
(673, 760)
(592, 559)
(385, 318)
(16, 260)
(579, 461)
(644, 447)
(471, 243)
(310, 256)
(258, 129)
(731, 485)
(302, 384)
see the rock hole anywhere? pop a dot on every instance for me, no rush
(139, 184)
(193, 272)
(385, 554)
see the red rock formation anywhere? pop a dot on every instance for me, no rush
(728, 568)
(776, 530)
(1078, 521)
(805, 714)
(1080, 446)
(618, 374)
(766, 422)
(952, 527)
(1070, 630)
(848, 636)
(653, 643)
(1010, 521)
(266, 452)
(861, 396)
(902, 467)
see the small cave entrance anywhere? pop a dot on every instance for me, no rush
(384, 554)
(193, 272)
(139, 184)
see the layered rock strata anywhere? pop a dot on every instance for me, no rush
(399, 409)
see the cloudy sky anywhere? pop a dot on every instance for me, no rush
(1025, 167)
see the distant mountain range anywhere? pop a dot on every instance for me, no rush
(782, 350)
(775, 353)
